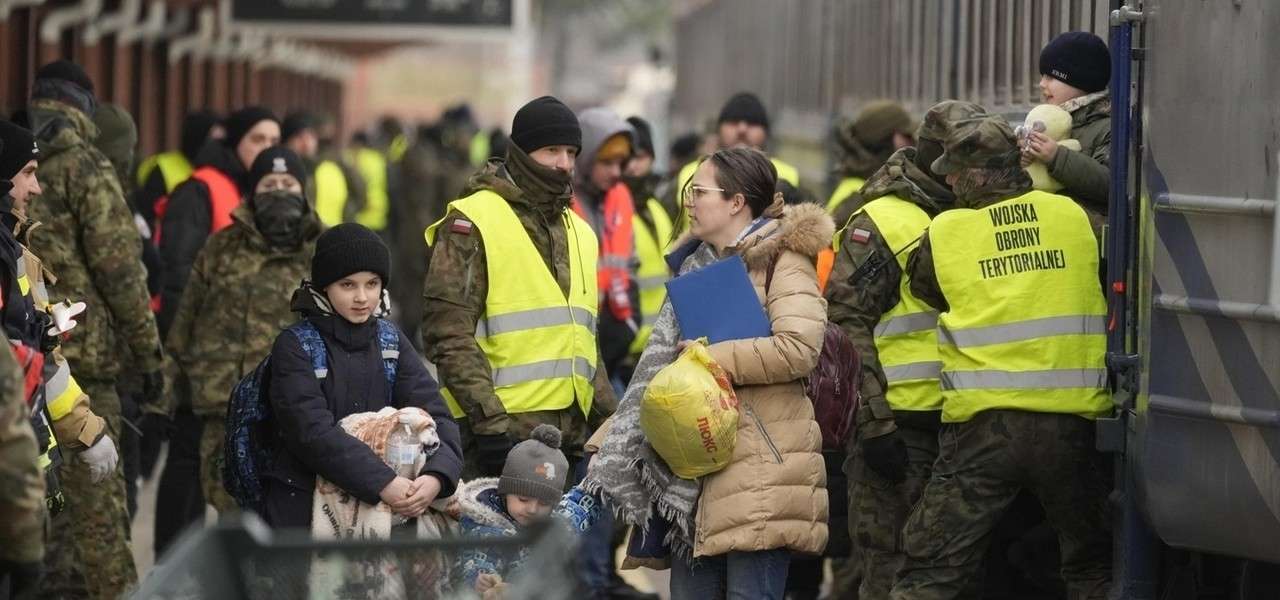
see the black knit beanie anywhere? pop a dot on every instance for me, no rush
(643, 134)
(241, 121)
(18, 150)
(66, 71)
(195, 131)
(1079, 59)
(346, 249)
(744, 106)
(66, 82)
(276, 159)
(536, 468)
(544, 122)
(295, 123)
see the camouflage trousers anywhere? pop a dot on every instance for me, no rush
(212, 442)
(89, 553)
(878, 509)
(982, 465)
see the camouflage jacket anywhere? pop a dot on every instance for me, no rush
(856, 300)
(89, 241)
(235, 304)
(21, 479)
(454, 299)
(1086, 174)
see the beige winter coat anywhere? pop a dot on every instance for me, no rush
(773, 495)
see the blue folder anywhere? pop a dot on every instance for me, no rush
(719, 303)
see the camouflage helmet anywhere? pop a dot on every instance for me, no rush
(878, 121)
(942, 116)
(978, 143)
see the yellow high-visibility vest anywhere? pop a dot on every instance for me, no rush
(906, 337)
(652, 274)
(174, 169)
(848, 187)
(540, 344)
(331, 193)
(1027, 323)
(372, 166)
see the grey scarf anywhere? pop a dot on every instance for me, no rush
(628, 470)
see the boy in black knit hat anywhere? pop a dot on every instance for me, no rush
(1075, 69)
(530, 487)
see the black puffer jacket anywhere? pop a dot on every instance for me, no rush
(307, 411)
(186, 227)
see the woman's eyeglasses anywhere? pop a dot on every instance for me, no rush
(693, 192)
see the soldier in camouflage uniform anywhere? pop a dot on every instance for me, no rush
(864, 144)
(88, 239)
(237, 300)
(454, 300)
(894, 451)
(21, 487)
(1021, 421)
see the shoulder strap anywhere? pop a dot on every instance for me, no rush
(313, 345)
(389, 343)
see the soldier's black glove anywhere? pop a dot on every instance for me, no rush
(153, 390)
(887, 456)
(20, 580)
(48, 343)
(491, 453)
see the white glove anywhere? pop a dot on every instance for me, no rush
(101, 458)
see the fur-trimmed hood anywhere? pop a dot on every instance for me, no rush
(806, 229)
(472, 506)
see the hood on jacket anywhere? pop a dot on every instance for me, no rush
(902, 177)
(472, 506)
(217, 155)
(59, 127)
(598, 125)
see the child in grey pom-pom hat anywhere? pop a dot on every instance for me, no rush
(531, 489)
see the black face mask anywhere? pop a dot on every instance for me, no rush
(280, 216)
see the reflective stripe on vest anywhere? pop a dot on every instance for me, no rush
(540, 344)
(652, 274)
(224, 196)
(906, 338)
(1026, 329)
(331, 193)
(848, 187)
(174, 169)
(373, 169)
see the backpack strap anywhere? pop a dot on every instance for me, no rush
(313, 345)
(389, 343)
(768, 277)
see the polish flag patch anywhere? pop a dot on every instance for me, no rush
(859, 235)
(461, 226)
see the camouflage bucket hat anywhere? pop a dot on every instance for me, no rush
(943, 116)
(978, 143)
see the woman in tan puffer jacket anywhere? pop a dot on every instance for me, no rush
(771, 499)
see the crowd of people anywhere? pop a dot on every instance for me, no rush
(529, 270)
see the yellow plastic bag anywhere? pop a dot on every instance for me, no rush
(690, 414)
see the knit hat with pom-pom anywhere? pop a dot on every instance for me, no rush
(536, 468)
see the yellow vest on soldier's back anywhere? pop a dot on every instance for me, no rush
(174, 169)
(848, 187)
(1026, 329)
(652, 274)
(540, 344)
(331, 193)
(906, 338)
(372, 166)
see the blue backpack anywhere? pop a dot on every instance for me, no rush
(250, 441)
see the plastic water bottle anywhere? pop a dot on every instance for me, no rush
(403, 449)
